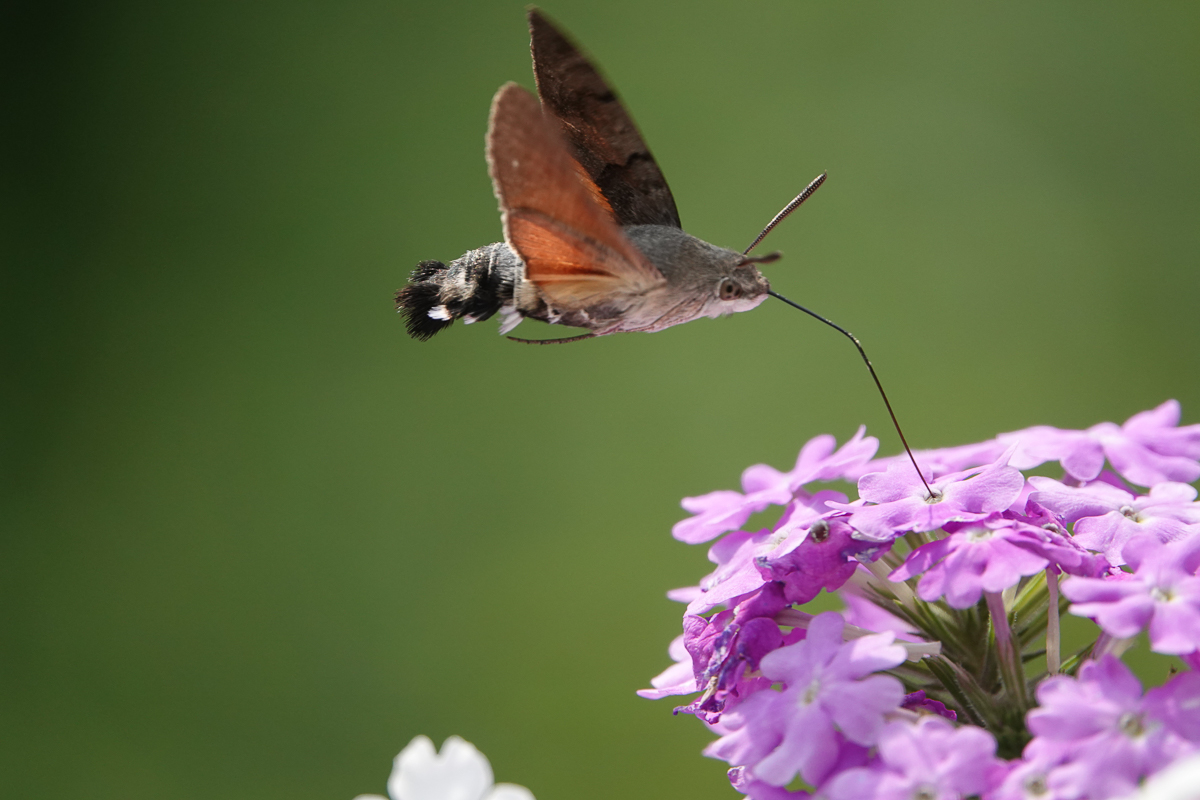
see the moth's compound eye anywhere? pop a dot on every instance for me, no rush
(728, 290)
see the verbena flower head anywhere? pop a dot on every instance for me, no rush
(459, 772)
(943, 677)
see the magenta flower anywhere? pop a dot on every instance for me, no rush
(901, 502)
(757, 790)
(1072, 503)
(729, 645)
(793, 527)
(1028, 779)
(850, 755)
(735, 574)
(917, 701)
(679, 678)
(1162, 593)
(828, 688)
(1110, 736)
(1106, 518)
(723, 511)
(818, 461)
(762, 486)
(931, 760)
(825, 558)
(745, 561)
(1048, 538)
(1148, 449)
(986, 556)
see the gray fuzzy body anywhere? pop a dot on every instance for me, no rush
(699, 280)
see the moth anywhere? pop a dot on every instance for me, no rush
(592, 237)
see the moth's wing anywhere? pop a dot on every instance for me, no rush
(553, 215)
(600, 133)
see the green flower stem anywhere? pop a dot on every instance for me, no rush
(1029, 603)
(1053, 634)
(1071, 665)
(1012, 672)
(970, 699)
(1031, 611)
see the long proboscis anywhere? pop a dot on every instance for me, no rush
(788, 209)
(878, 384)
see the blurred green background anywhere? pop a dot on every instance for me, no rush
(255, 539)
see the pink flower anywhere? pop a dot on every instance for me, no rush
(1107, 736)
(1162, 593)
(1148, 449)
(1106, 518)
(762, 486)
(676, 679)
(745, 561)
(828, 688)
(929, 759)
(902, 503)
(986, 556)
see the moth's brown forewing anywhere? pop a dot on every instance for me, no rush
(573, 249)
(599, 131)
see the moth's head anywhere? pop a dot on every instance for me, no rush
(714, 281)
(740, 287)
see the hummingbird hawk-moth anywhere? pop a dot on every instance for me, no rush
(592, 238)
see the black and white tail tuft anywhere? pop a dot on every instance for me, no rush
(471, 288)
(419, 300)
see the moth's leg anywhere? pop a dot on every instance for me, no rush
(553, 341)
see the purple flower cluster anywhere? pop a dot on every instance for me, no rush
(953, 582)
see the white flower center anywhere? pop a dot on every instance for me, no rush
(977, 535)
(1130, 513)
(809, 695)
(1161, 595)
(1131, 724)
(1035, 785)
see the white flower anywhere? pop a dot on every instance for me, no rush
(1180, 781)
(459, 772)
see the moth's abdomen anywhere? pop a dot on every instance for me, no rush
(470, 288)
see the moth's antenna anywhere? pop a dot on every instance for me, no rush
(789, 208)
(866, 361)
